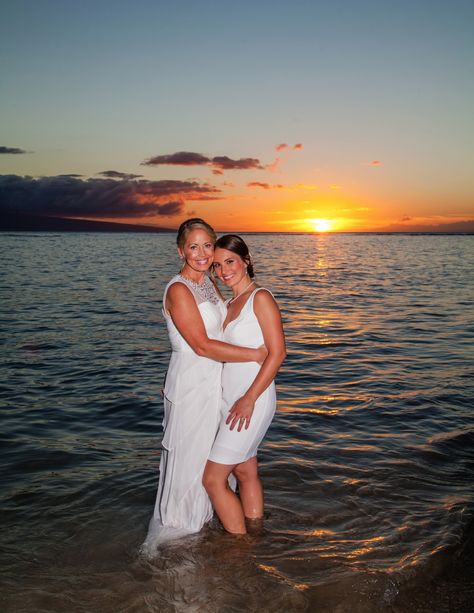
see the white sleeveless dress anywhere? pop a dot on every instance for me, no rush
(231, 446)
(192, 396)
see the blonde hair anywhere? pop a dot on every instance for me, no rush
(192, 224)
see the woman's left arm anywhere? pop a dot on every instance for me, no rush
(268, 315)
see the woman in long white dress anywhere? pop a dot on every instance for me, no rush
(194, 311)
(248, 389)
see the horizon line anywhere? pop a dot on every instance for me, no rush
(28, 222)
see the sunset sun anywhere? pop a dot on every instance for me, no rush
(321, 225)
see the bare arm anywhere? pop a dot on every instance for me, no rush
(185, 314)
(268, 315)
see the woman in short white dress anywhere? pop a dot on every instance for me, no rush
(248, 389)
(194, 313)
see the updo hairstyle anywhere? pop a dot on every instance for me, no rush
(234, 243)
(195, 223)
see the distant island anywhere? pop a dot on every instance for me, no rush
(18, 222)
(24, 222)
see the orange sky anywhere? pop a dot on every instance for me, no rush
(367, 197)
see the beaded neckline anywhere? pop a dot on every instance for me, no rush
(205, 291)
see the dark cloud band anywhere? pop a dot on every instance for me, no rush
(11, 150)
(69, 196)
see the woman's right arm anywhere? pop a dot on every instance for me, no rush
(185, 314)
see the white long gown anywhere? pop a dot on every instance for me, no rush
(192, 397)
(232, 446)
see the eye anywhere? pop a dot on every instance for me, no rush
(208, 245)
(216, 265)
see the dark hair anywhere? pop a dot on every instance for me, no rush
(237, 245)
(193, 224)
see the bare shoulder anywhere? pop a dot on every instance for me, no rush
(177, 288)
(269, 317)
(264, 299)
(179, 292)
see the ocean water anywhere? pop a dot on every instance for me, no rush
(367, 468)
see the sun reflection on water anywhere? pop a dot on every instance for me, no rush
(274, 572)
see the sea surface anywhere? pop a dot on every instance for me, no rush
(368, 466)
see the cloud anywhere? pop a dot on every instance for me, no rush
(68, 196)
(218, 164)
(181, 158)
(465, 226)
(284, 146)
(297, 186)
(375, 163)
(405, 218)
(171, 208)
(221, 163)
(264, 185)
(114, 174)
(273, 166)
(258, 184)
(12, 150)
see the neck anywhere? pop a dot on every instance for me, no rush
(242, 286)
(193, 275)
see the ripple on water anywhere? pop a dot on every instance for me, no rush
(367, 466)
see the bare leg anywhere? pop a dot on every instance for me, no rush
(225, 502)
(250, 488)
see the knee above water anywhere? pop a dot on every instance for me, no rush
(211, 482)
(246, 475)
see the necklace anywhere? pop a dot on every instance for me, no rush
(242, 292)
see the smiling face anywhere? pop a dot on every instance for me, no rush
(229, 267)
(197, 251)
